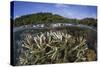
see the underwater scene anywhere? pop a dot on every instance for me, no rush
(50, 33)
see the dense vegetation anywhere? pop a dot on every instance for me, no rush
(51, 18)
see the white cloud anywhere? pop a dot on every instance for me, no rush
(17, 16)
(62, 5)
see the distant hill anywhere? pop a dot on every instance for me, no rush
(51, 18)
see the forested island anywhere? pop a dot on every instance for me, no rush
(39, 18)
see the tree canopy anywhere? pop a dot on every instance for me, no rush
(51, 18)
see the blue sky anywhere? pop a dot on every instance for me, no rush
(65, 10)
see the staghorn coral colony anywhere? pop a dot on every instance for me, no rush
(50, 47)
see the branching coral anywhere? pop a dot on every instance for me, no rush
(52, 47)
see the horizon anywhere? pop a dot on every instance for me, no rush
(21, 8)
